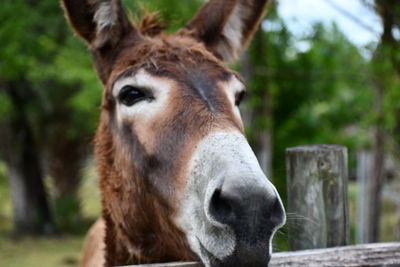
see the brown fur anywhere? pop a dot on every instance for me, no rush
(155, 238)
(139, 229)
(142, 167)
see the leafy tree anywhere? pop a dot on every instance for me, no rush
(317, 94)
(385, 70)
(45, 121)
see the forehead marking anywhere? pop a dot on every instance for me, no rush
(205, 87)
(202, 86)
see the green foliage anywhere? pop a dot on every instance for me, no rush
(320, 94)
(386, 76)
(42, 53)
(5, 104)
(67, 216)
(31, 30)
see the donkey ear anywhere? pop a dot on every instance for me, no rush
(98, 22)
(226, 26)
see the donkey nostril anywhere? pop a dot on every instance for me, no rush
(220, 207)
(244, 207)
(277, 213)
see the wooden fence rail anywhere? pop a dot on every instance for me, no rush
(378, 254)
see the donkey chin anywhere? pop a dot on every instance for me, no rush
(231, 210)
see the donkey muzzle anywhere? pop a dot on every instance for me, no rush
(232, 210)
(253, 211)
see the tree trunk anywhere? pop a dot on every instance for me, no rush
(65, 166)
(263, 134)
(376, 183)
(386, 52)
(65, 156)
(259, 115)
(30, 207)
(65, 163)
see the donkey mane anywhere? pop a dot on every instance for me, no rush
(149, 23)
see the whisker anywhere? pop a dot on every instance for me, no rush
(296, 217)
(276, 249)
(282, 233)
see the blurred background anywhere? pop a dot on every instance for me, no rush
(318, 71)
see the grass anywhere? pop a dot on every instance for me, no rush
(45, 252)
(5, 200)
(390, 221)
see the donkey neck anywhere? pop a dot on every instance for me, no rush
(137, 224)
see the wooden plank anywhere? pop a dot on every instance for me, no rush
(317, 179)
(360, 255)
(169, 264)
(378, 254)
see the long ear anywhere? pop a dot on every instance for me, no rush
(103, 25)
(98, 22)
(226, 26)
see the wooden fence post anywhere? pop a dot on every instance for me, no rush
(317, 178)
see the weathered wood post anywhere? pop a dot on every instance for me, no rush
(317, 178)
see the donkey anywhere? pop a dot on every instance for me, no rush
(179, 181)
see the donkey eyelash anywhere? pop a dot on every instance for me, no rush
(239, 97)
(130, 95)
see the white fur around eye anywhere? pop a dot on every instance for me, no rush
(159, 87)
(232, 88)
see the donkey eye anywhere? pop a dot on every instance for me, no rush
(130, 95)
(240, 97)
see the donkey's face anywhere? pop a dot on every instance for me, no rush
(175, 143)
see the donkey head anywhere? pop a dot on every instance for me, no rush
(178, 178)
